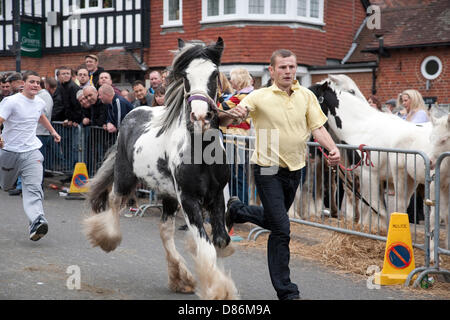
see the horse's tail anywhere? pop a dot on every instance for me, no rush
(101, 183)
(102, 228)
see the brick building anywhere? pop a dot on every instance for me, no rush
(133, 37)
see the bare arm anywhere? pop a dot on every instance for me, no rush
(44, 121)
(225, 119)
(324, 139)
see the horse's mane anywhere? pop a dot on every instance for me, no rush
(174, 97)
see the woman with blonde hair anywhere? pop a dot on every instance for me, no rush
(415, 106)
(241, 81)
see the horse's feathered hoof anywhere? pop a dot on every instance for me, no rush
(105, 235)
(225, 252)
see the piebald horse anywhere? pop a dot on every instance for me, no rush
(166, 147)
(353, 120)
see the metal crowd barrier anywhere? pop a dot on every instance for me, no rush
(358, 193)
(87, 144)
(354, 206)
(441, 202)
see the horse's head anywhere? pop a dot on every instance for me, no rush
(197, 66)
(439, 137)
(328, 99)
(344, 83)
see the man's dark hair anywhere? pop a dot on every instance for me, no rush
(283, 53)
(14, 77)
(138, 82)
(26, 74)
(83, 66)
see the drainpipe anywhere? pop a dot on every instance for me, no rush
(17, 41)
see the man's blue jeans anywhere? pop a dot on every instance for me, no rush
(276, 188)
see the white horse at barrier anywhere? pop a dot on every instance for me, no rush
(440, 137)
(353, 121)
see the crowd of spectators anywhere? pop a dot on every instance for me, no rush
(84, 96)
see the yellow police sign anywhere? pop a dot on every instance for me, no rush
(399, 254)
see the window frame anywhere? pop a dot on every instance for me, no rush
(242, 9)
(424, 72)
(89, 9)
(171, 23)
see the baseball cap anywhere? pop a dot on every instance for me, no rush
(93, 56)
(392, 102)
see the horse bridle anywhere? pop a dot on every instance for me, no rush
(201, 95)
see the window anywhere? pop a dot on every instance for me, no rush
(278, 6)
(256, 6)
(229, 6)
(305, 11)
(431, 67)
(95, 4)
(173, 13)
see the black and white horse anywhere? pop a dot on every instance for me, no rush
(351, 119)
(167, 147)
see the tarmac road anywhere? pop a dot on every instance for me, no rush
(137, 268)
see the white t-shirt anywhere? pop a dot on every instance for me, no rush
(22, 116)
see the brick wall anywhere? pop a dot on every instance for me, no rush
(255, 44)
(402, 71)
(46, 65)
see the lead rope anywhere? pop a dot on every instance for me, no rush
(365, 158)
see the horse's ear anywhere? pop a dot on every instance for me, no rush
(324, 86)
(219, 44)
(181, 43)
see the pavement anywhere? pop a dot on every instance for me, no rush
(137, 269)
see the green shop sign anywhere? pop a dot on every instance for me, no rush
(31, 39)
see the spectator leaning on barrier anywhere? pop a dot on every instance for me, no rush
(117, 107)
(94, 110)
(291, 111)
(19, 150)
(91, 62)
(142, 95)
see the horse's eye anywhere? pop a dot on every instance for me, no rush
(320, 99)
(351, 91)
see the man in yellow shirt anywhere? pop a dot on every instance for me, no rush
(283, 114)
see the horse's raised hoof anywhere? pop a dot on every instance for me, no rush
(101, 234)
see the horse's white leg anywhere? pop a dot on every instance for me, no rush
(103, 229)
(443, 213)
(180, 278)
(213, 282)
(370, 191)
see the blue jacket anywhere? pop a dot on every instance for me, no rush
(117, 110)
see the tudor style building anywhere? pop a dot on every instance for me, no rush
(133, 37)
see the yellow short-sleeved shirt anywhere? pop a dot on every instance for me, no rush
(283, 124)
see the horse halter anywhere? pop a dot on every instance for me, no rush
(202, 96)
